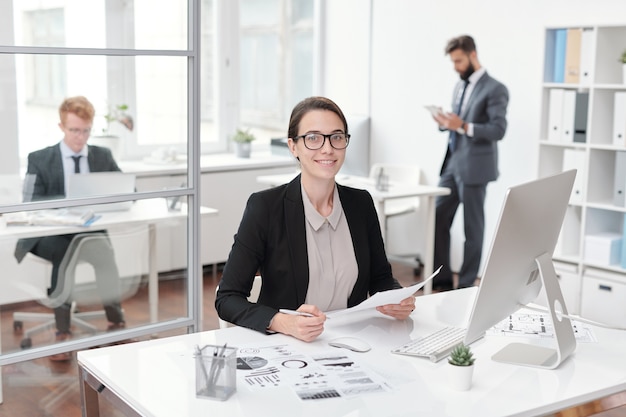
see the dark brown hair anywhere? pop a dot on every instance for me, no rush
(464, 43)
(309, 104)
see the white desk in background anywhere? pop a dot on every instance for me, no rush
(150, 212)
(157, 377)
(426, 193)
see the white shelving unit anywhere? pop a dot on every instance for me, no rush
(580, 128)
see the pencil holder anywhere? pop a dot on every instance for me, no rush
(216, 371)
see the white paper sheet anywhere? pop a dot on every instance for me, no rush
(385, 297)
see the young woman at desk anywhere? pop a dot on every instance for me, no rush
(316, 244)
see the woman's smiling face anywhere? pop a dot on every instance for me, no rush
(323, 163)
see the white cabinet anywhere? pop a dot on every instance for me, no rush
(585, 91)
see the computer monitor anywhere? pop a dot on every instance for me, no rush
(100, 184)
(519, 262)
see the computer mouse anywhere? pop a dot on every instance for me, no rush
(352, 343)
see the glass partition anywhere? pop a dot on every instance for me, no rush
(135, 24)
(91, 236)
(146, 123)
(91, 270)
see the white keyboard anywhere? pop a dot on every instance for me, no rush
(434, 346)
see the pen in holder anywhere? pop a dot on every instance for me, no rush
(176, 203)
(216, 368)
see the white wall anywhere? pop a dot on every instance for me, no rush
(409, 70)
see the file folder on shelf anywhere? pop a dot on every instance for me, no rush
(619, 182)
(587, 40)
(619, 119)
(559, 55)
(572, 56)
(555, 114)
(575, 159)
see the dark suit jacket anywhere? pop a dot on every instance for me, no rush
(45, 170)
(272, 240)
(476, 158)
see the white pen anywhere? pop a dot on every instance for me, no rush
(295, 313)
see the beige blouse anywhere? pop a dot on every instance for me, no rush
(332, 264)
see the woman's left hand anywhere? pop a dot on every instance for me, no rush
(399, 311)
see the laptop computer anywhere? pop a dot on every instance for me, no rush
(102, 183)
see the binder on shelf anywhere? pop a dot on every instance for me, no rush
(575, 159)
(555, 114)
(619, 182)
(623, 257)
(586, 56)
(619, 119)
(568, 115)
(560, 45)
(580, 117)
(572, 56)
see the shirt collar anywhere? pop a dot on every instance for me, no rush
(315, 219)
(473, 79)
(66, 152)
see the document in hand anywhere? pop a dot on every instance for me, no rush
(52, 217)
(385, 297)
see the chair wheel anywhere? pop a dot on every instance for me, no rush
(18, 326)
(26, 343)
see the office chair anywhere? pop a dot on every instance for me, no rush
(400, 173)
(76, 283)
(254, 295)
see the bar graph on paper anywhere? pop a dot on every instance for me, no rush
(538, 325)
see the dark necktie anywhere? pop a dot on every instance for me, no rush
(76, 159)
(457, 110)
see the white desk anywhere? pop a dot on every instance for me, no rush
(426, 193)
(156, 377)
(150, 212)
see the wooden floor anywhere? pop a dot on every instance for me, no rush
(42, 388)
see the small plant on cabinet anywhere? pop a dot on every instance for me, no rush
(243, 136)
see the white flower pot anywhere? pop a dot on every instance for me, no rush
(108, 141)
(624, 73)
(460, 377)
(242, 149)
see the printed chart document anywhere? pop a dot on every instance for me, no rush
(385, 297)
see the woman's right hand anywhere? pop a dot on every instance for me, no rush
(300, 327)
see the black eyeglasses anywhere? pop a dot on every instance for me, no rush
(315, 141)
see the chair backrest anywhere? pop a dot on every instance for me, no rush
(407, 173)
(254, 295)
(76, 280)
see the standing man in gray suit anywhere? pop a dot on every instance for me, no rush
(475, 126)
(47, 177)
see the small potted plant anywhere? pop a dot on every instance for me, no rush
(243, 139)
(462, 367)
(117, 114)
(108, 138)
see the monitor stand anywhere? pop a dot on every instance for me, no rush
(540, 356)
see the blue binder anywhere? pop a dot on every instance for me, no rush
(560, 46)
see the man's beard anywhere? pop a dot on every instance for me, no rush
(468, 72)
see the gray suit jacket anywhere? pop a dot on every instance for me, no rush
(271, 240)
(476, 158)
(45, 171)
